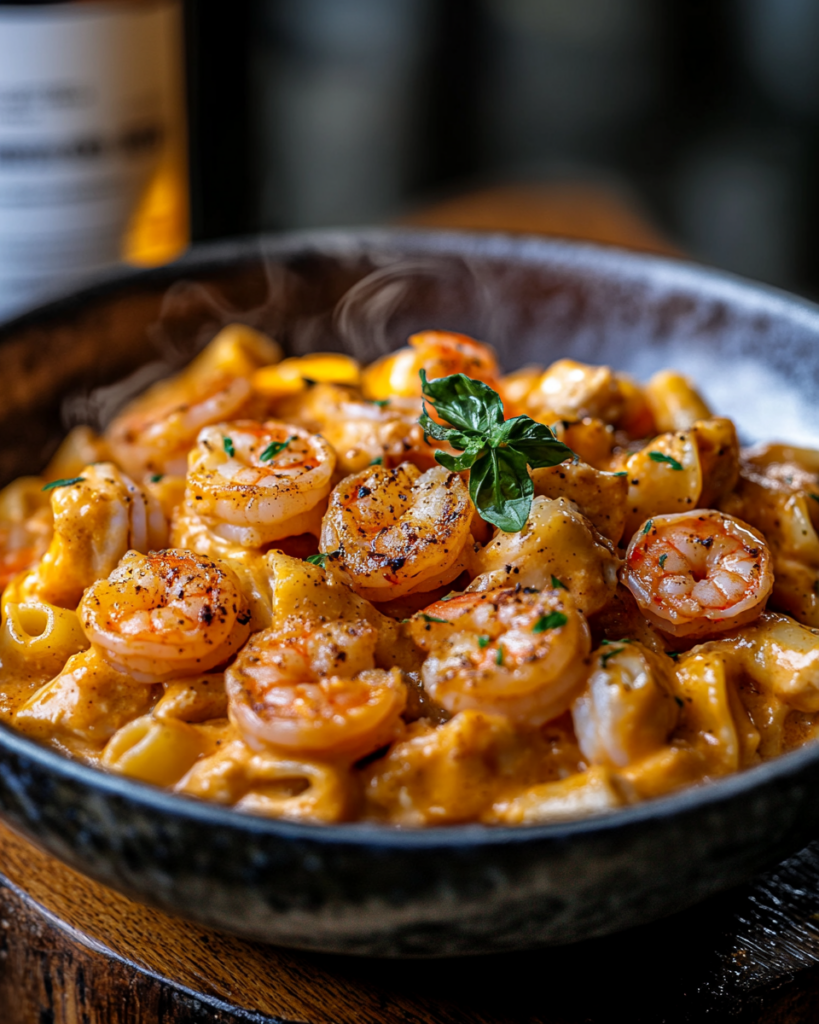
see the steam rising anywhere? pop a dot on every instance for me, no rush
(365, 317)
(367, 300)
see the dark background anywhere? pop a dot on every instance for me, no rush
(703, 112)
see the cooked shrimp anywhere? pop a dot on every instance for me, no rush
(97, 518)
(439, 353)
(513, 651)
(698, 573)
(627, 709)
(165, 615)
(360, 430)
(391, 532)
(253, 483)
(154, 433)
(312, 688)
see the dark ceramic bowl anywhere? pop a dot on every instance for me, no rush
(359, 888)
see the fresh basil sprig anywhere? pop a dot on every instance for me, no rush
(496, 451)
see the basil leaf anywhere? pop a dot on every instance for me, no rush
(436, 430)
(458, 463)
(533, 440)
(497, 452)
(464, 402)
(501, 489)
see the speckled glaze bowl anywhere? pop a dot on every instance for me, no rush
(359, 888)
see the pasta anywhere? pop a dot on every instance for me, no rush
(419, 592)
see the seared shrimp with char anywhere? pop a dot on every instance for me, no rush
(392, 532)
(513, 651)
(165, 614)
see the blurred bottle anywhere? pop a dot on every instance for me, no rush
(92, 142)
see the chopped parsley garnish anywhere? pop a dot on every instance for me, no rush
(64, 483)
(381, 402)
(274, 448)
(604, 658)
(622, 640)
(156, 477)
(647, 528)
(320, 559)
(499, 656)
(557, 584)
(669, 460)
(663, 560)
(483, 641)
(378, 462)
(432, 618)
(554, 620)
(673, 654)
(227, 444)
(620, 472)
(496, 451)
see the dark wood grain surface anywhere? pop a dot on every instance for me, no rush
(73, 952)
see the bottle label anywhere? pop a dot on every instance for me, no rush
(92, 146)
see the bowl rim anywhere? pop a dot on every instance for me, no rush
(526, 249)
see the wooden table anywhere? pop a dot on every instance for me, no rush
(73, 952)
